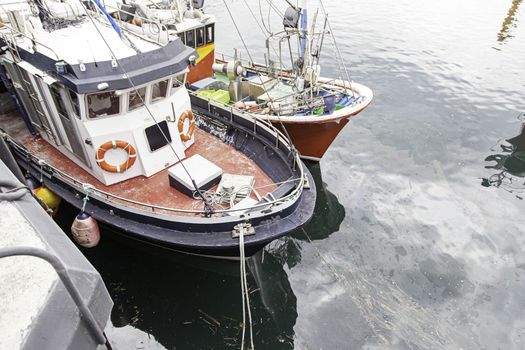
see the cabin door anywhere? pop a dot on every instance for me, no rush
(39, 117)
(43, 99)
(71, 137)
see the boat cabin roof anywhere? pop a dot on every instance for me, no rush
(88, 59)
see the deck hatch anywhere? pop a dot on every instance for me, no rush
(155, 138)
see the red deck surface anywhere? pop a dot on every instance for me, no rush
(154, 190)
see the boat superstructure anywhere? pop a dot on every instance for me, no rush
(77, 98)
(107, 125)
(165, 20)
(287, 89)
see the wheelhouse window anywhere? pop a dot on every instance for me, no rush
(103, 104)
(137, 98)
(59, 102)
(200, 36)
(159, 90)
(210, 33)
(74, 102)
(190, 38)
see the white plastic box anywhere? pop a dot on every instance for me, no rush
(205, 173)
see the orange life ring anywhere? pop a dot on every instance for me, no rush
(186, 136)
(126, 146)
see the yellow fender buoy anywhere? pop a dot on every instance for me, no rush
(85, 230)
(49, 198)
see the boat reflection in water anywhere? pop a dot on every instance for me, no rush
(510, 164)
(275, 292)
(509, 22)
(329, 213)
(166, 300)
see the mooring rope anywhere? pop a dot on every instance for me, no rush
(244, 292)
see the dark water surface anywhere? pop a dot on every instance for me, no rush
(418, 241)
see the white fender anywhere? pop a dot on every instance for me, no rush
(85, 230)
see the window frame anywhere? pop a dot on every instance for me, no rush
(182, 37)
(207, 40)
(128, 98)
(75, 107)
(193, 39)
(168, 90)
(88, 114)
(58, 101)
(200, 36)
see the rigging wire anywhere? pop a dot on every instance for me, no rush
(338, 52)
(208, 207)
(262, 18)
(275, 8)
(259, 25)
(269, 12)
(294, 150)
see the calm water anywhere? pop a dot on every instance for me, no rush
(418, 241)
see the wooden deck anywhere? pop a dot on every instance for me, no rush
(154, 190)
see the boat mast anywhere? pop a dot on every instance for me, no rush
(304, 29)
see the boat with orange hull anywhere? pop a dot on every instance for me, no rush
(310, 109)
(311, 130)
(310, 135)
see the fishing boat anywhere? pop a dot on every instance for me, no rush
(310, 109)
(106, 123)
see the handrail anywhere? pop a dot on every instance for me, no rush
(109, 196)
(118, 9)
(255, 119)
(280, 137)
(14, 34)
(62, 273)
(4, 11)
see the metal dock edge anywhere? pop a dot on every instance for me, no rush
(37, 309)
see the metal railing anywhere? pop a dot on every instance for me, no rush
(11, 37)
(81, 186)
(279, 138)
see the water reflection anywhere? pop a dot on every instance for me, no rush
(509, 21)
(187, 302)
(510, 164)
(329, 213)
(276, 294)
(169, 300)
(328, 216)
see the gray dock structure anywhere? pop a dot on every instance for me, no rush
(38, 309)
